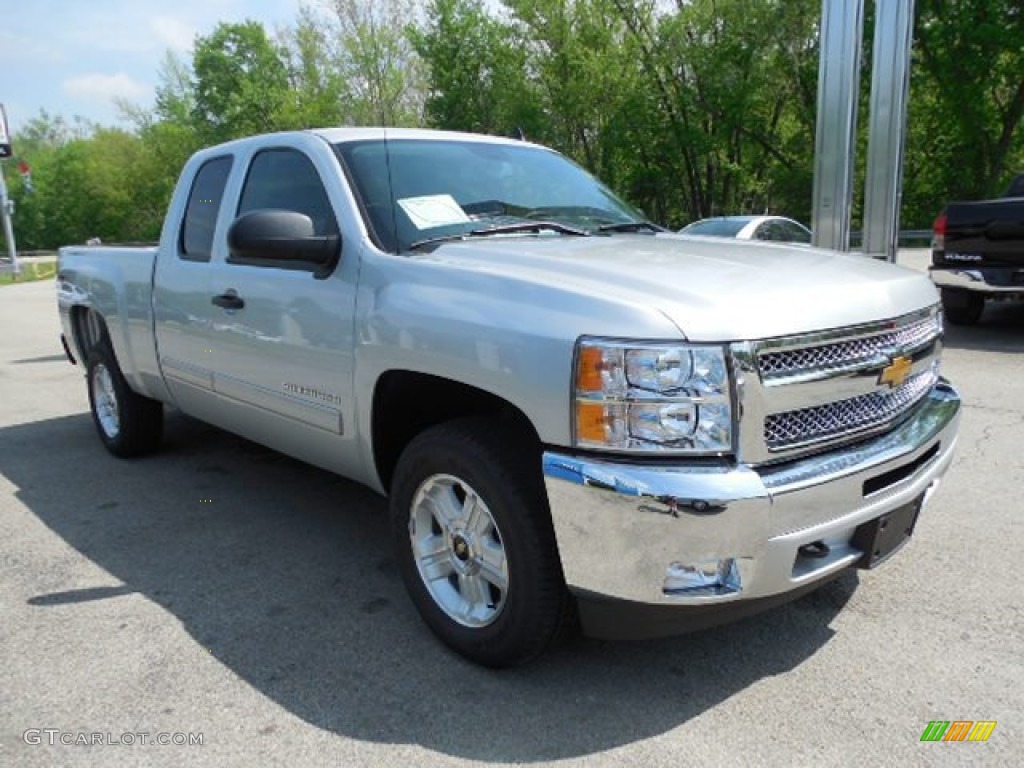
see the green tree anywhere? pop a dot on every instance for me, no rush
(476, 71)
(168, 137)
(965, 137)
(707, 106)
(39, 144)
(731, 79)
(241, 82)
(85, 185)
(175, 94)
(377, 61)
(688, 108)
(318, 92)
(585, 66)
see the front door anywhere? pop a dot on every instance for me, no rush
(282, 337)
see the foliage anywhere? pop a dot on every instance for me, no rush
(240, 82)
(31, 271)
(967, 103)
(476, 71)
(378, 62)
(688, 108)
(317, 89)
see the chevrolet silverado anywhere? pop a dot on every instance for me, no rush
(579, 419)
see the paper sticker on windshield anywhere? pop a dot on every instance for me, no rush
(433, 211)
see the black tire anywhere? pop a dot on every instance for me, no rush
(515, 624)
(128, 423)
(962, 307)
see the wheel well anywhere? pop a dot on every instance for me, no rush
(406, 403)
(88, 328)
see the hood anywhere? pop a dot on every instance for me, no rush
(712, 289)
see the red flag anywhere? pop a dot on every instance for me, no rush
(26, 175)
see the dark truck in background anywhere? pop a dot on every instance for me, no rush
(978, 253)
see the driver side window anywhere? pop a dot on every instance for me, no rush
(286, 179)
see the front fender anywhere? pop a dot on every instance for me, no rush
(512, 337)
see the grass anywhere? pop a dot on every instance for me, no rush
(30, 271)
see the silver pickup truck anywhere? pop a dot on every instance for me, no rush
(579, 419)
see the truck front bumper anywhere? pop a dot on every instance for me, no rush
(682, 546)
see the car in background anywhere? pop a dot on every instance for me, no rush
(978, 254)
(777, 229)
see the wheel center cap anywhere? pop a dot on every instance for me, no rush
(460, 547)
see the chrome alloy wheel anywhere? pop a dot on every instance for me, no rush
(105, 401)
(458, 551)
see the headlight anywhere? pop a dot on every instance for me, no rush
(652, 397)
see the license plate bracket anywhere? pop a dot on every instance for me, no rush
(881, 538)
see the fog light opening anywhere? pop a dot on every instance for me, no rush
(708, 577)
(816, 550)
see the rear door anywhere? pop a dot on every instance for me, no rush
(181, 288)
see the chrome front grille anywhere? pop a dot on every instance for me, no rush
(806, 426)
(814, 391)
(843, 354)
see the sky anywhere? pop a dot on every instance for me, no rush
(73, 57)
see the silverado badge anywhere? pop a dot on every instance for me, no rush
(896, 372)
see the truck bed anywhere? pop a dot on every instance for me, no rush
(117, 282)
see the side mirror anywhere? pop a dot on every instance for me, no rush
(272, 237)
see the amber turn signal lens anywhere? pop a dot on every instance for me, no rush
(591, 421)
(588, 372)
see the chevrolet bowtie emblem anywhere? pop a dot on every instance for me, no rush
(896, 372)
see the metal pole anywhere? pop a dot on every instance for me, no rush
(842, 23)
(7, 211)
(890, 81)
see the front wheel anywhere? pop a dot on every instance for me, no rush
(475, 543)
(128, 423)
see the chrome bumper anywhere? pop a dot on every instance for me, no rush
(983, 280)
(708, 534)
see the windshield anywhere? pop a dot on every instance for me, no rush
(716, 227)
(415, 190)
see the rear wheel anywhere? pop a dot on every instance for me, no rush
(962, 307)
(475, 544)
(128, 423)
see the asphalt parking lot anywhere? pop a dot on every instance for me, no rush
(221, 589)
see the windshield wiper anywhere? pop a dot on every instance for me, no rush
(503, 229)
(629, 226)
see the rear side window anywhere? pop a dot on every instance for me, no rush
(286, 179)
(795, 234)
(770, 230)
(782, 232)
(201, 212)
